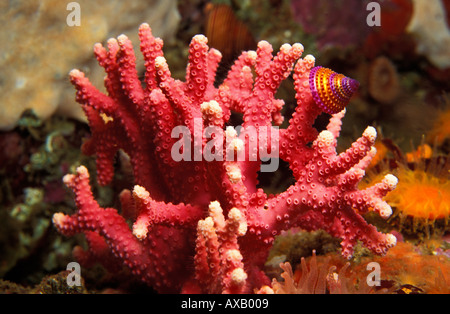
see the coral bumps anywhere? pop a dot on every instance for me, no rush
(200, 224)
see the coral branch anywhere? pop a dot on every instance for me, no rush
(218, 261)
(199, 222)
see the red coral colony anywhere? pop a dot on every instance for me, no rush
(200, 224)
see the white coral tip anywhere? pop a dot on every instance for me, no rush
(199, 38)
(309, 58)
(140, 231)
(263, 44)
(237, 145)
(122, 38)
(230, 132)
(252, 54)
(391, 240)
(214, 207)
(140, 192)
(160, 61)
(58, 219)
(370, 133)
(285, 47)
(298, 47)
(234, 173)
(205, 226)
(75, 73)
(238, 276)
(235, 214)
(233, 255)
(385, 210)
(391, 181)
(325, 137)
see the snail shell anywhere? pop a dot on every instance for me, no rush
(330, 90)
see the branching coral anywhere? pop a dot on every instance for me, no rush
(177, 180)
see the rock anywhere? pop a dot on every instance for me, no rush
(428, 25)
(39, 49)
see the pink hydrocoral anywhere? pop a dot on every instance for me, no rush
(203, 226)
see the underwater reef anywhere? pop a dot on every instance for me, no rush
(210, 212)
(250, 170)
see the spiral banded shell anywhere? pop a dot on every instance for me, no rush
(330, 90)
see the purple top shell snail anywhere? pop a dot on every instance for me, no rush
(330, 90)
